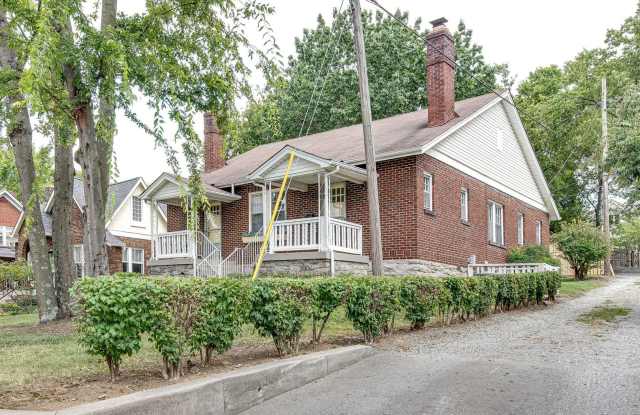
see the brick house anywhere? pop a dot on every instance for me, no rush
(10, 211)
(128, 234)
(458, 183)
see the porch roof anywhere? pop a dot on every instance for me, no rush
(169, 188)
(305, 167)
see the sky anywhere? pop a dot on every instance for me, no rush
(523, 34)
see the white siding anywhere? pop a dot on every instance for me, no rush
(299, 165)
(487, 148)
(122, 223)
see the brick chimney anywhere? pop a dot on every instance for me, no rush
(441, 74)
(213, 144)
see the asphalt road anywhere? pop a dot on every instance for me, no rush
(523, 362)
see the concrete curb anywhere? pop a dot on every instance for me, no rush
(226, 394)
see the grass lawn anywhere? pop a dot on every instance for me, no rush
(603, 313)
(573, 288)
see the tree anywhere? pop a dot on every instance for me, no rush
(17, 125)
(583, 245)
(317, 91)
(627, 234)
(9, 178)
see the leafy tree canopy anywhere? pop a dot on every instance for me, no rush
(318, 89)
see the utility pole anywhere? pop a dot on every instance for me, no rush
(604, 176)
(370, 154)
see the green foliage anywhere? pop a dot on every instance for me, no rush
(583, 245)
(421, 298)
(10, 308)
(223, 309)
(396, 65)
(15, 271)
(9, 178)
(627, 234)
(279, 308)
(327, 294)
(372, 304)
(112, 315)
(531, 254)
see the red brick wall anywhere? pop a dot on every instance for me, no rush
(8, 213)
(408, 232)
(176, 219)
(135, 243)
(442, 237)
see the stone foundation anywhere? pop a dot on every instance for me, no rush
(173, 267)
(420, 267)
(315, 263)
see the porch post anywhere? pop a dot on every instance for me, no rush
(266, 215)
(194, 246)
(152, 220)
(324, 185)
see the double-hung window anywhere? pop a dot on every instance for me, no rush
(464, 205)
(339, 201)
(495, 222)
(133, 260)
(256, 210)
(5, 236)
(520, 228)
(78, 260)
(136, 209)
(539, 232)
(428, 192)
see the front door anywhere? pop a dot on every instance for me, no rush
(213, 224)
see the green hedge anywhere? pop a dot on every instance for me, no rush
(183, 316)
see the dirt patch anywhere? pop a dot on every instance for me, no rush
(52, 394)
(57, 328)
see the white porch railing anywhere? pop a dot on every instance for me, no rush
(173, 245)
(241, 261)
(512, 268)
(308, 235)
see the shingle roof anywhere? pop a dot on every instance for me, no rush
(48, 230)
(117, 193)
(399, 133)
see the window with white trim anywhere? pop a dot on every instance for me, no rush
(520, 228)
(539, 232)
(339, 201)
(5, 236)
(495, 222)
(136, 209)
(464, 204)
(213, 224)
(133, 260)
(78, 259)
(256, 210)
(428, 192)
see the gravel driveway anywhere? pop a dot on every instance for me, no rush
(525, 362)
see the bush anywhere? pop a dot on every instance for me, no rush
(420, 298)
(112, 315)
(531, 254)
(372, 304)
(327, 294)
(223, 309)
(279, 308)
(10, 308)
(583, 245)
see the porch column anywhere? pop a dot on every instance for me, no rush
(152, 224)
(324, 186)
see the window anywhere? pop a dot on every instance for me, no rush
(5, 236)
(256, 210)
(538, 232)
(339, 201)
(464, 205)
(428, 192)
(136, 209)
(496, 230)
(133, 260)
(520, 228)
(78, 259)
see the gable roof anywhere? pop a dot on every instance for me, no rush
(395, 136)
(179, 182)
(11, 198)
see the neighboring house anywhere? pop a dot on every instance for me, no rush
(10, 211)
(128, 232)
(458, 183)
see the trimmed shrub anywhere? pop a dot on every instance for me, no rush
(112, 314)
(279, 308)
(421, 298)
(372, 304)
(531, 254)
(327, 294)
(583, 245)
(223, 309)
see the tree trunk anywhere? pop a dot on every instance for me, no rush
(61, 223)
(20, 136)
(599, 202)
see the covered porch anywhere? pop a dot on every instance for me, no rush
(328, 230)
